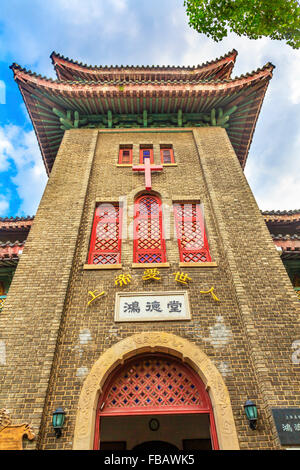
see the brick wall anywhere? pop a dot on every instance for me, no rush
(34, 307)
(248, 335)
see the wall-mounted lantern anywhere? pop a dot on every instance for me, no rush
(58, 420)
(251, 413)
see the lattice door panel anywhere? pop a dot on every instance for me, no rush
(154, 383)
(149, 244)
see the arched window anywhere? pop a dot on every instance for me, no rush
(149, 242)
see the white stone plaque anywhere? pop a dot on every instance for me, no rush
(152, 306)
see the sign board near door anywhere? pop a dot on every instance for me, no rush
(287, 421)
(152, 306)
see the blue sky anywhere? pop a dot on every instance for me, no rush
(138, 32)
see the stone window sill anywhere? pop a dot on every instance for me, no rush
(102, 266)
(150, 265)
(198, 265)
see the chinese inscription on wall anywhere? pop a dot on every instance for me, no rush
(287, 421)
(152, 306)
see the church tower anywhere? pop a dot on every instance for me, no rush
(150, 304)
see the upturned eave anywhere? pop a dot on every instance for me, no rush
(68, 69)
(43, 96)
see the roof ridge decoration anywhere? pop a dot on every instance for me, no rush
(19, 71)
(281, 212)
(167, 101)
(16, 219)
(66, 67)
(11, 244)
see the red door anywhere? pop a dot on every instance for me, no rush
(154, 384)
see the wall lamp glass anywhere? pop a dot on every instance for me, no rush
(251, 413)
(58, 420)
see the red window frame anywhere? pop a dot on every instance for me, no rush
(190, 230)
(121, 155)
(148, 249)
(2, 288)
(150, 150)
(169, 149)
(106, 250)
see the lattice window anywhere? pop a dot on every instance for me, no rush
(125, 155)
(2, 301)
(166, 154)
(146, 152)
(155, 383)
(192, 241)
(105, 246)
(2, 288)
(149, 243)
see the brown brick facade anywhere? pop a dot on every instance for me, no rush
(52, 338)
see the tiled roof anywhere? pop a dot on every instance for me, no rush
(283, 212)
(280, 236)
(16, 219)
(10, 252)
(120, 97)
(119, 80)
(15, 224)
(68, 69)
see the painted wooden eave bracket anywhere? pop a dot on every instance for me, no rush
(73, 120)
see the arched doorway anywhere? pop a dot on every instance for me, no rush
(155, 446)
(158, 401)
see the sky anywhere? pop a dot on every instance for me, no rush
(138, 32)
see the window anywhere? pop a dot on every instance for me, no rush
(149, 243)
(105, 246)
(125, 155)
(2, 288)
(192, 242)
(166, 154)
(2, 295)
(146, 152)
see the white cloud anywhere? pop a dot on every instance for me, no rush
(282, 195)
(4, 206)
(119, 5)
(157, 32)
(20, 153)
(5, 150)
(2, 92)
(275, 181)
(78, 12)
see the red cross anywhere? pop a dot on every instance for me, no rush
(147, 168)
